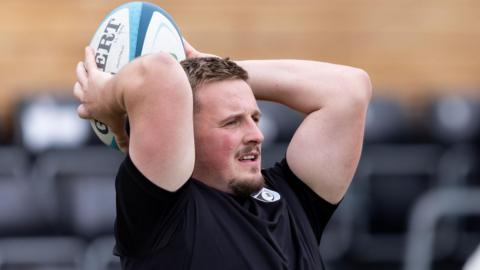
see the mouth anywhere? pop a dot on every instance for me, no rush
(249, 157)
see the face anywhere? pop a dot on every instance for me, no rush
(227, 137)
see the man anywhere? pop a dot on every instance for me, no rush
(191, 193)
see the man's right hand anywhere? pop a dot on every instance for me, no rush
(98, 99)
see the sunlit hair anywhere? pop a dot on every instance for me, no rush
(210, 69)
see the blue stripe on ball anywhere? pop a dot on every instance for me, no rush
(114, 144)
(135, 9)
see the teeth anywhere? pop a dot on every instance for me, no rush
(250, 157)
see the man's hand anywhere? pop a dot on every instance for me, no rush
(98, 101)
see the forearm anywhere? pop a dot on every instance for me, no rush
(155, 94)
(324, 150)
(306, 86)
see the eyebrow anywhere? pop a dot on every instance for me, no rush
(256, 113)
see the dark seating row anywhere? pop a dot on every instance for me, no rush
(70, 193)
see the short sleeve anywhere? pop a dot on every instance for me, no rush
(318, 211)
(147, 215)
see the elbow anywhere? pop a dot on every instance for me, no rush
(161, 73)
(366, 85)
(144, 70)
(155, 79)
(358, 88)
(154, 65)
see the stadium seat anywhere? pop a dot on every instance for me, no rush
(19, 211)
(455, 119)
(387, 122)
(27, 238)
(20, 214)
(460, 165)
(14, 162)
(41, 253)
(2, 133)
(79, 186)
(390, 178)
(47, 121)
(99, 255)
(423, 230)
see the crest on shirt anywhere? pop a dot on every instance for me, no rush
(267, 195)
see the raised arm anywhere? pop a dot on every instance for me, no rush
(325, 150)
(155, 94)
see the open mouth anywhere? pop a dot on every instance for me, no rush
(249, 157)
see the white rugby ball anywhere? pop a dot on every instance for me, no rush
(131, 30)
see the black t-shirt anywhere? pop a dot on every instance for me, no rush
(199, 227)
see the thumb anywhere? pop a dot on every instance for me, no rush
(120, 133)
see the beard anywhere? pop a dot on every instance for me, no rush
(246, 187)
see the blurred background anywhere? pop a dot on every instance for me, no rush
(414, 202)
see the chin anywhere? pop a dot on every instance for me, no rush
(245, 187)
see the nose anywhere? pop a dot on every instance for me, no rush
(253, 134)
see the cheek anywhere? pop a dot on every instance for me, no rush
(216, 148)
(224, 149)
(227, 143)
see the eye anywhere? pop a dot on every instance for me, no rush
(232, 122)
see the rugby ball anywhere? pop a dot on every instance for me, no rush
(129, 31)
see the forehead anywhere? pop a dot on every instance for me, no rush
(226, 97)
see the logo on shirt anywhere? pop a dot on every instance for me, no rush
(267, 195)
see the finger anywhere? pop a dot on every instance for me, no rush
(82, 112)
(120, 133)
(122, 141)
(78, 92)
(189, 50)
(82, 76)
(90, 64)
(186, 44)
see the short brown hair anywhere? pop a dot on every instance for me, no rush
(210, 69)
